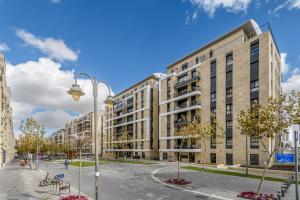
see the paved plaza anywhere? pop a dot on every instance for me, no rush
(124, 181)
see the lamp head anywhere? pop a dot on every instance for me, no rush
(76, 92)
(109, 101)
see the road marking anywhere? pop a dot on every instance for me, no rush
(184, 189)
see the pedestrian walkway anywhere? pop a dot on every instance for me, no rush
(18, 182)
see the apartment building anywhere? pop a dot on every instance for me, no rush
(58, 137)
(80, 131)
(222, 78)
(7, 138)
(131, 125)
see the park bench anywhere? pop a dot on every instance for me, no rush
(64, 185)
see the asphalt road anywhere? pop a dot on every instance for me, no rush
(120, 181)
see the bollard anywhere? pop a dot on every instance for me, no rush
(282, 193)
(284, 188)
(278, 195)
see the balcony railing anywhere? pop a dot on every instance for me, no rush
(186, 91)
(187, 79)
(187, 104)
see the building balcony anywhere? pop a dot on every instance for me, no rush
(187, 79)
(186, 91)
(187, 104)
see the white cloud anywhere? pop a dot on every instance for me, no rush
(293, 82)
(53, 119)
(54, 48)
(210, 6)
(3, 47)
(43, 84)
(284, 65)
(289, 4)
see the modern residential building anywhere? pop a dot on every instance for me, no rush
(80, 132)
(58, 137)
(131, 125)
(7, 139)
(222, 78)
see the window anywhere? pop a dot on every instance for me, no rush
(213, 67)
(168, 125)
(168, 144)
(182, 78)
(254, 142)
(142, 114)
(194, 74)
(229, 134)
(229, 109)
(229, 59)
(213, 111)
(229, 159)
(169, 82)
(197, 60)
(168, 107)
(213, 158)
(168, 94)
(229, 124)
(165, 156)
(255, 49)
(211, 53)
(254, 159)
(184, 66)
(254, 85)
(142, 130)
(229, 92)
(213, 96)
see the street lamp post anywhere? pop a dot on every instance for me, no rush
(76, 92)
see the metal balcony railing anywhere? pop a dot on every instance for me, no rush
(187, 79)
(186, 91)
(187, 104)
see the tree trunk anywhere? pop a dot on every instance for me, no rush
(204, 153)
(179, 156)
(264, 173)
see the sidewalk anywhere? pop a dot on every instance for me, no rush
(18, 182)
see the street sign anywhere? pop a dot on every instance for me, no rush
(285, 158)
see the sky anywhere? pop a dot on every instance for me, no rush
(121, 42)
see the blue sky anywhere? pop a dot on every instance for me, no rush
(120, 41)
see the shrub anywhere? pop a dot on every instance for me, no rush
(178, 181)
(253, 196)
(74, 197)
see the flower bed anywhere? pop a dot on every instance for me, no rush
(253, 196)
(177, 181)
(74, 197)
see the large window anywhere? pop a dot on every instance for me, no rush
(254, 85)
(229, 109)
(254, 159)
(229, 134)
(213, 158)
(254, 142)
(255, 49)
(213, 96)
(229, 92)
(229, 159)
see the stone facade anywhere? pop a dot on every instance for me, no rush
(187, 93)
(131, 125)
(7, 138)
